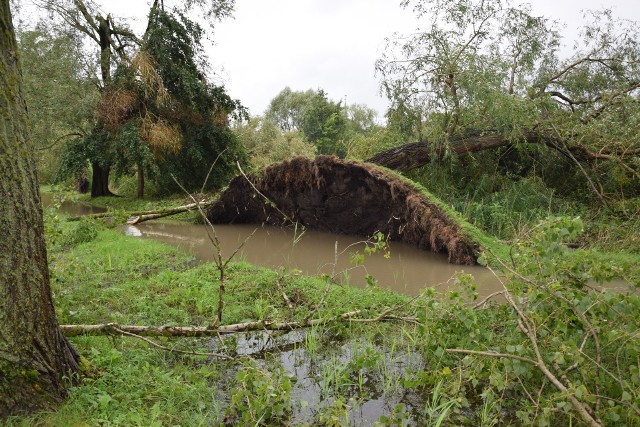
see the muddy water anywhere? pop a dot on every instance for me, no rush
(406, 269)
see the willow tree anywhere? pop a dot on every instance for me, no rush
(34, 356)
(492, 74)
(114, 44)
(321, 121)
(169, 120)
(59, 91)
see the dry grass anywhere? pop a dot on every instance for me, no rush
(162, 137)
(116, 106)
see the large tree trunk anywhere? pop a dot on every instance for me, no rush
(100, 180)
(34, 356)
(417, 154)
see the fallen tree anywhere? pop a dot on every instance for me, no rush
(204, 331)
(344, 197)
(416, 154)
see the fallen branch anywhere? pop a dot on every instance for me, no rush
(493, 354)
(286, 298)
(487, 298)
(136, 217)
(203, 331)
(172, 350)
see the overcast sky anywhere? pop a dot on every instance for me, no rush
(328, 44)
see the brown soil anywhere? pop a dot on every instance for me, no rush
(343, 197)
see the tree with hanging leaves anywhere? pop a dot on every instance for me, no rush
(169, 120)
(156, 92)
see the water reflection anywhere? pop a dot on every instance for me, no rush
(70, 207)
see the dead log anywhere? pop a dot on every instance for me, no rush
(138, 217)
(189, 331)
(417, 154)
(203, 331)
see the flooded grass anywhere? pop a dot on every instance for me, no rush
(391, 372)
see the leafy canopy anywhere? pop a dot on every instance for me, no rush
(493, 67)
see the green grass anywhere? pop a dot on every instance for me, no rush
(135, 204)
(115, 278)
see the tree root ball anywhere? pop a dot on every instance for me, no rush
(343, 197)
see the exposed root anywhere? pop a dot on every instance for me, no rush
(343, 197)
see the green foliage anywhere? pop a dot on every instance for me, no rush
(96, 147)
(324, 125)
(322, 121)
(185, 118)
(288, 109)
(59, 92)
(174, 43)
(492, 68)
(266, 143)
(335, 415)
(159, 116)
(82, 231)
(403, 368)
(260, 397)
(130, 149)
(361, 120)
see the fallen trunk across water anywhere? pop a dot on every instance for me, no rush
(345, 197)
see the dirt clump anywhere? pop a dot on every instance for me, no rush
(343, 197)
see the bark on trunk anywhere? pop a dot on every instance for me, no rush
(140, 192)
(417, 154)
(34, 356)
(100, 180)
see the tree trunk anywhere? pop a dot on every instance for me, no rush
(417, 154)
(140, 182)
(104, 32)
(100, 180)
(82, 185)
(34, 356)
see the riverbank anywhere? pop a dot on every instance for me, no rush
(405, 364)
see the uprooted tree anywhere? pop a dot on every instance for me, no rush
(34, 356)
(344, 197)
(487, 74)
